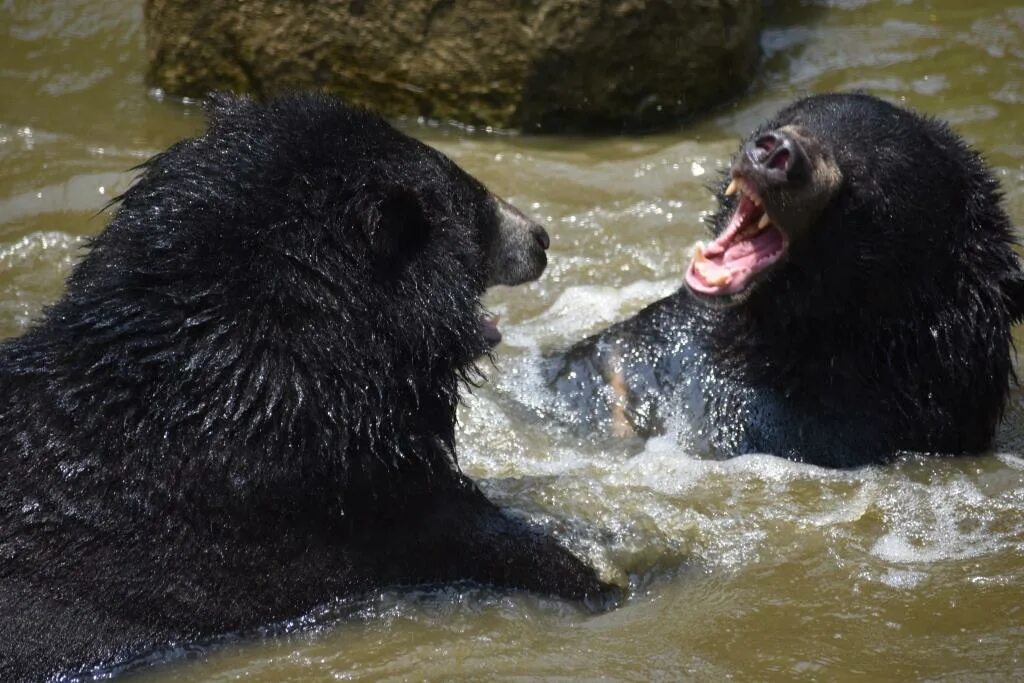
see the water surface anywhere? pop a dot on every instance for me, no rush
(754, 568)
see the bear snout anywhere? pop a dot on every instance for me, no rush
(775, 157)
(541, 235)
(516, 249)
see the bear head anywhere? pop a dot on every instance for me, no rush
(863, 246)
(846, 201)
(295, 294)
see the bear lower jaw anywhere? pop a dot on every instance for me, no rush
(489, 329)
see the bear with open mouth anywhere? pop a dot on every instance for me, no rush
(243, 405)
(855, 301)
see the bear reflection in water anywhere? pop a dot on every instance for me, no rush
(855, 300)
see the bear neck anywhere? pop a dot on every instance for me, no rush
(324, 426)
(935, 361)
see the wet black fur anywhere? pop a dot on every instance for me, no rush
(244, 403)
(888, 328)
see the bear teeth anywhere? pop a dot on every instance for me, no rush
(752, 195)
(741, 185)
(751, 230)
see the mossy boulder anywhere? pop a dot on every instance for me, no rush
(530, 64)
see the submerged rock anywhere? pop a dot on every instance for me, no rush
(532, 64)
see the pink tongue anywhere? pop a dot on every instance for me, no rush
(726, 268)
(746, 253)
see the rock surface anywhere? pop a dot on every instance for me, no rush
(550, 65)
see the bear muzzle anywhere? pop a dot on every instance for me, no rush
(515, 252)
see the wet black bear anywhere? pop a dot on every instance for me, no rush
(244, 403)
(856, 301)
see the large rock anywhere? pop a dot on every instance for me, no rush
(531, 64)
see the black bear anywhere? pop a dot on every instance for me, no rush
(855, 301)
(244, 403)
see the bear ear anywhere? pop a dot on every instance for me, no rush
(393, 221)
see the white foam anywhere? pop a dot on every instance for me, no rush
(33, 269)
(32, 246)
(903, 579)
(587, 307)
(627, 512)
(935, 521)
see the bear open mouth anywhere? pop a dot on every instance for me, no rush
(489, 329)
(750, 245)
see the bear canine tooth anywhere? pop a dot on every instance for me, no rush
(731, 190)
(749, 190)
(763, 223)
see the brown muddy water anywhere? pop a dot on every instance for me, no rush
(751, 569)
